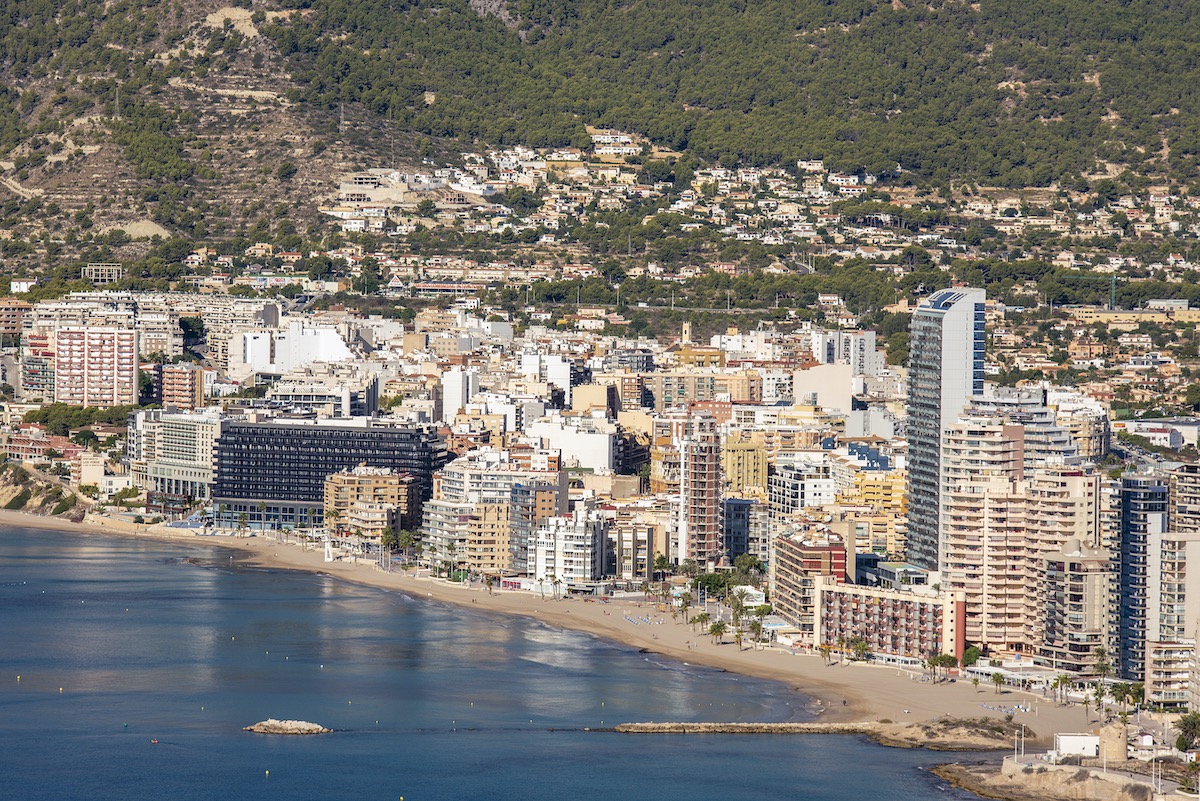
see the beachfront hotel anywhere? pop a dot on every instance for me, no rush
(274, 472)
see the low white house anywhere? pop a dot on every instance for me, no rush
(1083, 745)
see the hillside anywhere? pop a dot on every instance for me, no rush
(122, 121)
(197, 120)
(1000, 91)
(33, 493)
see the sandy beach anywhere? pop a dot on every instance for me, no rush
(843, 692)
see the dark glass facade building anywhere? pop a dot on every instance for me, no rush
(1144, 504)
(274, 472)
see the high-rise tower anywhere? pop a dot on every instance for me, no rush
(945, 370)
(700, 492)
(1144, 504)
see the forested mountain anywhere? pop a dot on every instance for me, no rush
(1006, 92)
(215, 122)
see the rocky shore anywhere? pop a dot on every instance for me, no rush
(273, 726)
(1033, 782)
(953, 734)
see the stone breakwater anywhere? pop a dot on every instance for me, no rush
(273, 726)
(948, 734)
(748, 728)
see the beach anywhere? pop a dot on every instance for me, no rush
(846, 692)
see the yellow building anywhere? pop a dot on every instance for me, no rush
(357, 499)
(746, 467)
(881, 491)
(488, 539)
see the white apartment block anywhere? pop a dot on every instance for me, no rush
(571, 549)
(172, 452)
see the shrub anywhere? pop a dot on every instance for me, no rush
(64, 505)
(19, 500)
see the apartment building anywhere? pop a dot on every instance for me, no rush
(910, 623)
(797, 566)
(12, 320)
(700, 493)
(486, 509)
(1074, 617)
(183, 386)
(96, 366)
(274, 471)
(364, 491)
(571, 549)
(945, 370)
(640, 531)
(171, 456)
(744, 467)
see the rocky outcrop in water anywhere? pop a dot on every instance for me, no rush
(273, 726)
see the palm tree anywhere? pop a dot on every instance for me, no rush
(1099, 690)
(998, 680)
(737, 637)
(1188, 727)
(826, 652)
(717, 630)
(860, 649)
(1103, 669)
(737, 605)
(241, 524)
(685, 601)
(701, 619)
(975, 683)
(1121, 692)
(756, 628)
(406, 540)
(1060, 685)
(760, 612)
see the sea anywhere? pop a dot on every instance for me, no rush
(129, 668)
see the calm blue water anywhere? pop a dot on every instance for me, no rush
(183, 645)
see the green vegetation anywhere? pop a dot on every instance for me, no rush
(19, 500)
(66, 504)
(60, 419)
(1188, 727)
(1004, 92)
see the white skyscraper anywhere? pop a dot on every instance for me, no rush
(946, 353)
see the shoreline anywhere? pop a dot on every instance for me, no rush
(838, 693)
